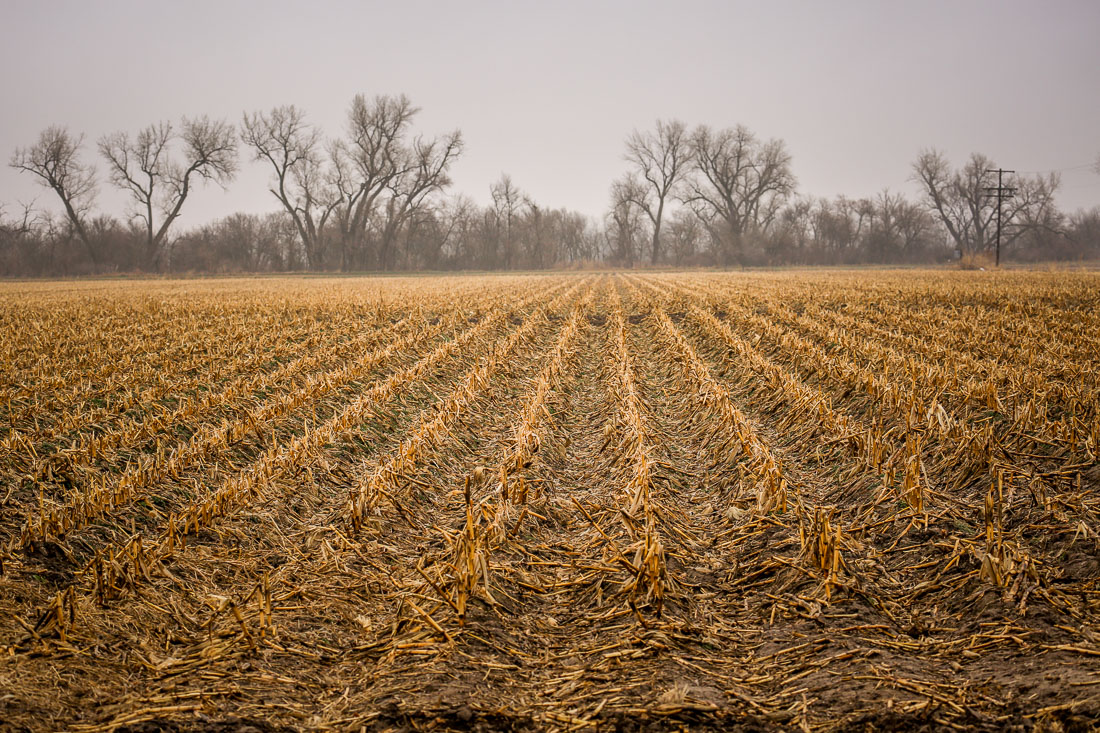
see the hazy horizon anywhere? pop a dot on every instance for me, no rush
(549, 93)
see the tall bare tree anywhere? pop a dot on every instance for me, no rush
(293, 149)
(55, 160)
(423, 171)
(960, 201)
(507, 200)
(365, 164)
(739, 184)
(143, 166)
(659, 160)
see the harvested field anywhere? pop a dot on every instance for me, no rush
(804, 500)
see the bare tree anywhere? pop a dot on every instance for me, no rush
(293, 149)
(55, 160)
(958, 198)
(143, 167)
(364, 165)
(625, 227)
(462, 217)
(572, 228)
(790, 240)
(739, 185)
(21, 226)
(423, 171)
(851, 220)
(685, 231)
(899, 230)
(1035, 215)
(539, 235)
(630, 193)
(449, 225)
(507, 199)
(19, 242)
(1085, 233)
(660, 160)
(961, 203)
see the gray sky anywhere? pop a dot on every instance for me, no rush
(548, 91)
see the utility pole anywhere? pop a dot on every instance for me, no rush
(1002, 192)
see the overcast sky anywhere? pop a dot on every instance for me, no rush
(548, 91)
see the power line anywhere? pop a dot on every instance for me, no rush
(1061, 170)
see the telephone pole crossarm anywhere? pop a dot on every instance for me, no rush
(1001, 192)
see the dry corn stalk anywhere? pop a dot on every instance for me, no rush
(912, 487)
(469, 567)
(649, 576)
(112, 577)
(99, 497)
(384, 478)
(821, 543)
(529, 431)
(770, 484)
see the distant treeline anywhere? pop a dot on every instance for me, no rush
(379, 198)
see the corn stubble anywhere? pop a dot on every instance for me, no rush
(814, 500)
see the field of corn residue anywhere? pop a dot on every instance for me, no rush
(799, 500)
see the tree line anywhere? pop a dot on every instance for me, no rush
(378, 197)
